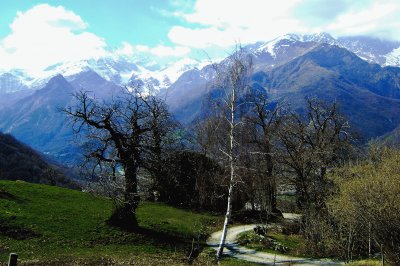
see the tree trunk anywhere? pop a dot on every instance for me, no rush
(125, 214)
(226, 222)
(232, 175)
(369, 241)
(272, 181)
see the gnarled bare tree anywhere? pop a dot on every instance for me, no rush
(121, 134)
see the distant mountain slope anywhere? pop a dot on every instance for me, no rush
(20, 162)
(38, 120)
(185, 95)
(368, 94)
(391, 138)
(337, 63)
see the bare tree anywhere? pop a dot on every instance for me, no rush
(161, 141)
(120, 135)
(263, 123)
(232, 83)
(311, 146)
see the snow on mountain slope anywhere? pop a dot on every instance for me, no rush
(287, 47)
(10, 83)
(114, 68)
(162, 79)
(370, 49)
(119, 69)
(288, 39)
(393, 58)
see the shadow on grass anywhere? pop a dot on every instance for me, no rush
(15, 231)
(191, 246)
(5, 195)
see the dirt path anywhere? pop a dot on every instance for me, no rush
(232, 248)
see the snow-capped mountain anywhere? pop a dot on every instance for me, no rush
(163, 78)
(116, 69)
(373, 50)
(120, 69)
(273, 46)
(184, 96)
(14, 81)
(140, 70)
(10, 83)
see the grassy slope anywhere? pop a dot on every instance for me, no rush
(253, 241)
(39, 221)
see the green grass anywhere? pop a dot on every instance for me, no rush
(39, 221)
(292, 242)
(365, 263)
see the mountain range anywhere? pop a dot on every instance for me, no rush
(361, 73)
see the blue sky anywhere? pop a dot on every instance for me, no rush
(35, 34)
(134, 21)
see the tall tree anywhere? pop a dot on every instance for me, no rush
(121, 133)
(263, 122)
(232, 82)
(162, 140)
(312, 144)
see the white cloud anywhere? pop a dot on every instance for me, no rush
(381, 19)
(159, 50)
(224, 22)
(242, 14)
(177, 51)
(200, 38)
(47, 35)
(142, 48)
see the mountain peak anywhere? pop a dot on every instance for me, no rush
(322, 37)
(57, 79)
(57, 84)
(10, 83)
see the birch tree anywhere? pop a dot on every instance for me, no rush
(232, 82)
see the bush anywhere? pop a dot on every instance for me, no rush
(367, 203)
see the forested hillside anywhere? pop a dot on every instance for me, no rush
(20, 162)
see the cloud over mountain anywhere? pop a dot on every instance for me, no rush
(257, 20)
(46, 35)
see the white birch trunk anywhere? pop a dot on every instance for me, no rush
(232, 173)
(225, 230)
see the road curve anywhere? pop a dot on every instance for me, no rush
(232, 248)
